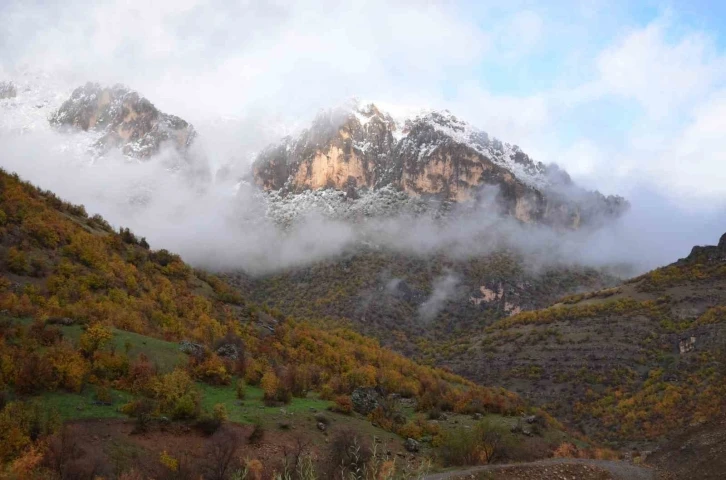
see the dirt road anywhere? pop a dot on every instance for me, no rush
(543, 469)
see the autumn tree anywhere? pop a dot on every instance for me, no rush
(94, 338)
(269, 384)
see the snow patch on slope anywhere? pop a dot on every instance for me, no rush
(38, 96)
(502, 154)
(404, 117)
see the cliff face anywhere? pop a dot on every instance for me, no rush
(125, 119)
(431, 155)
(340, 150)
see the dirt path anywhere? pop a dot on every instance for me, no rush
(617, 470)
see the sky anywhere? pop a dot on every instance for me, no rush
(629, 97)
(620, 93)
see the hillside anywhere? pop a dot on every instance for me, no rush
(417, 303)
(628, 364)
(95, 324)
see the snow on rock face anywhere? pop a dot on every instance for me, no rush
(431, 154)
(456, 131)
(383, 202)
(124, 118)
(36, 96)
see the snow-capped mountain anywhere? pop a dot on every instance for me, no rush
(89, 121)
(126, 120)
(431, 155)
(353, 161)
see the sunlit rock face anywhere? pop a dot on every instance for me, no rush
(431, 155)
(125, 120)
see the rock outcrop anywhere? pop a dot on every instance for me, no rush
(708, 253)
(365, 400)
(7, 90)
(431, 155)
(125, 119)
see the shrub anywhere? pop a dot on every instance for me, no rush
(95, 337)
(269, 384)
(348, 455)
(481, 444)
(212, 371)
(208, 425)
(343, 404)
(103, 394)
(16, 261)
(565, 450)
(220, 412)
(169, 462)
(435, 414)
(142, 410)
(45, 335)
(186, 406)
(177, 395)
(459, 448)
(258, 432)
(274, 391)
(21, 424)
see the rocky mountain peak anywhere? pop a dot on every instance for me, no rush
(432, 154)
(125, 119)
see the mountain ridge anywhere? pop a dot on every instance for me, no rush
(360, 149)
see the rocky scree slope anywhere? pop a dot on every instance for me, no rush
(633, 363)
(361, 150)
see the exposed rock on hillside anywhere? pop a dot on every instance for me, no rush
(431, 155)
(629, 363)
(708, 253)
(126, 120)
(382, 293)
(365, 400)
(7, 90)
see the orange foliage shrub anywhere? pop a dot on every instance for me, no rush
(343, 404)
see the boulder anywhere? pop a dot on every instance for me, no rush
(7, 90)
(321, 426)
(65, 321)
(411, 445)
(228, 350)
(191, 348)
(365, 400)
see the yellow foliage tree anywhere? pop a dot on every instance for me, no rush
(269, 384)
(95, 337)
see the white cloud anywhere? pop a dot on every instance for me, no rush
(661, 75)
(512, 118)
(228, 58)
(262, 60)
